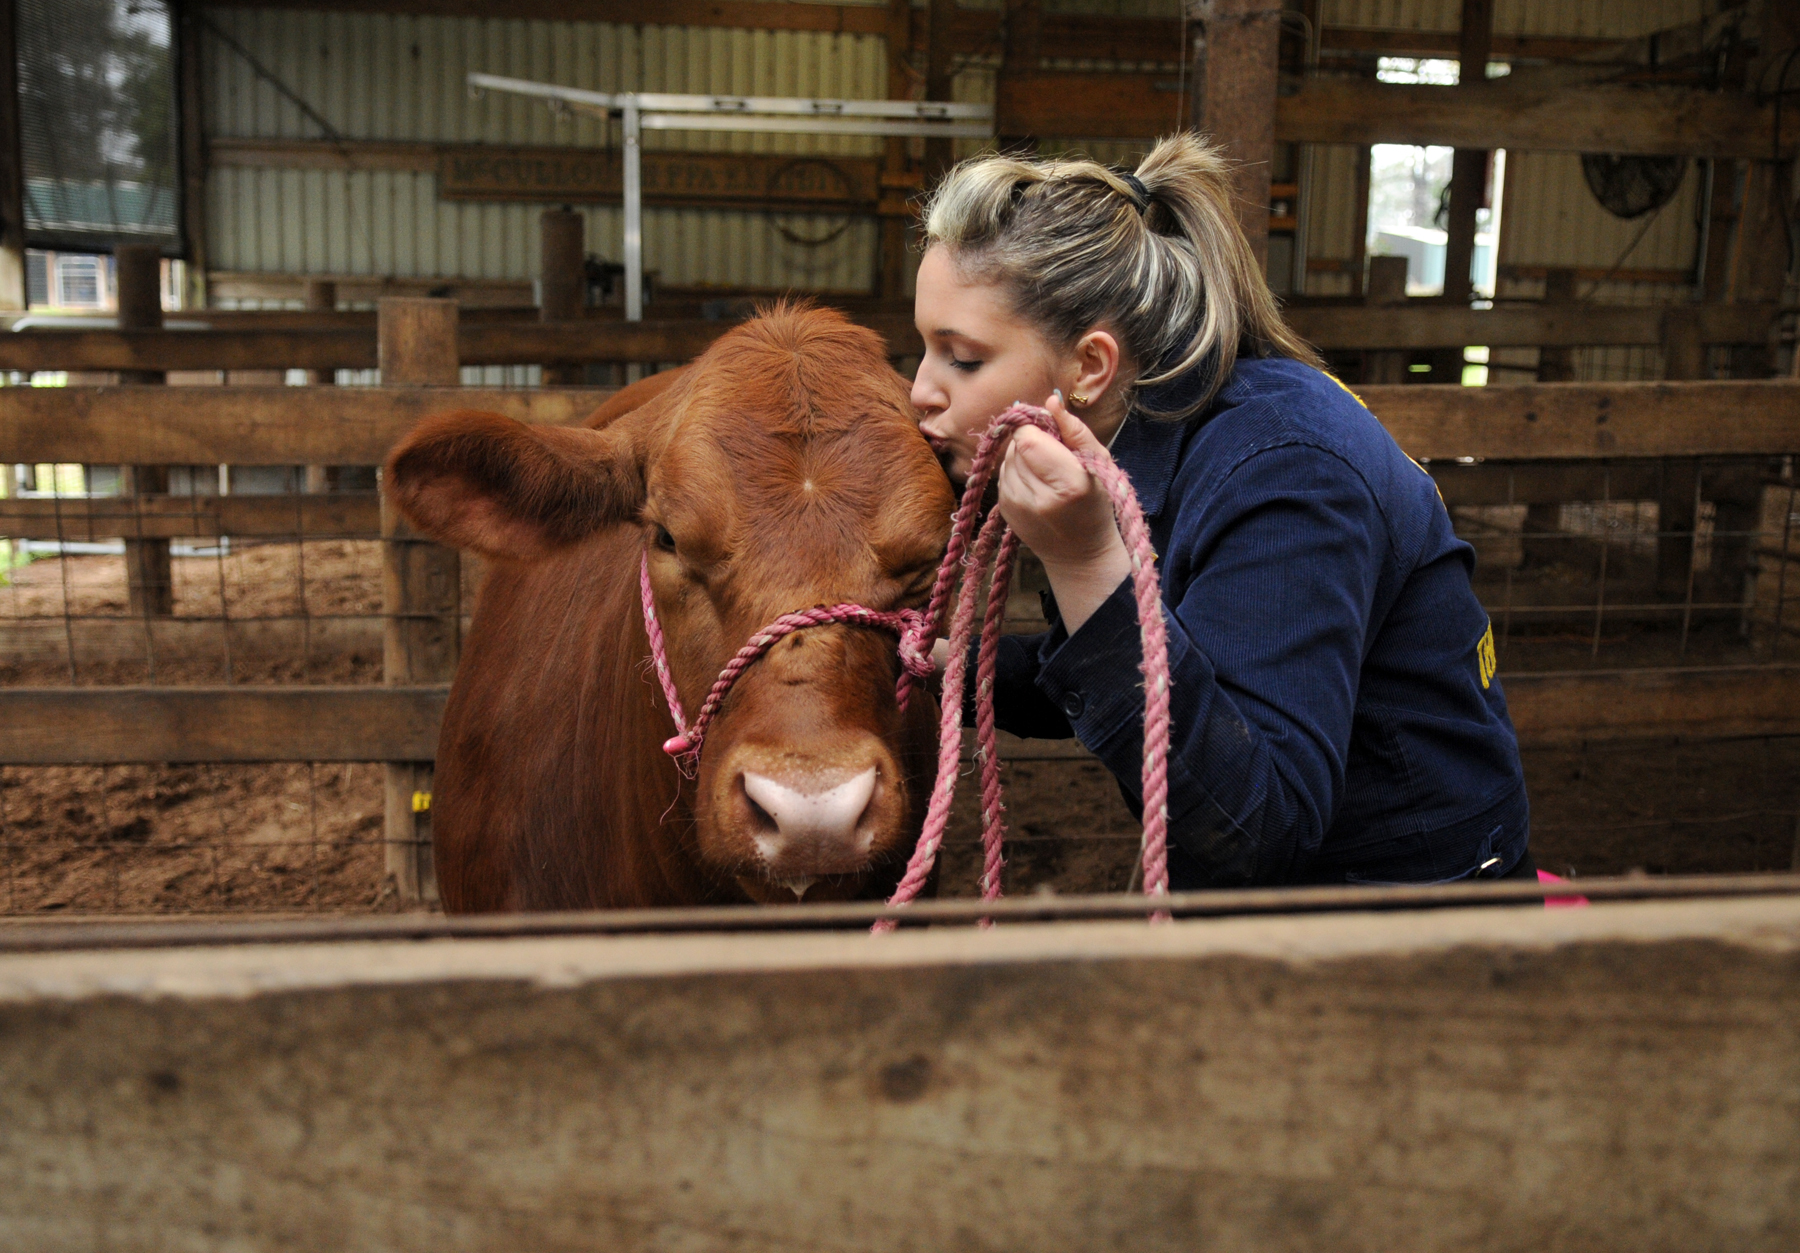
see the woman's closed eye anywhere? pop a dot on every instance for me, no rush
(967, 365)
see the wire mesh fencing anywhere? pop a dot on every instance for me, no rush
(1587, 565)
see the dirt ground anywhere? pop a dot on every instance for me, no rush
(300, 838)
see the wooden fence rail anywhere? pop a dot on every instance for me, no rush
(357, 425)
(110, 726)
(523, 343)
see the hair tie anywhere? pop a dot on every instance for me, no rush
(1139, 194)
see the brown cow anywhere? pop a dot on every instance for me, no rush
(782, 469)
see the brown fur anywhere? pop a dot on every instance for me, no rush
(787, 465)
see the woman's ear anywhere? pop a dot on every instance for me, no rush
(1096, 361)
(506, 489)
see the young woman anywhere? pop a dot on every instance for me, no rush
(1336, 715)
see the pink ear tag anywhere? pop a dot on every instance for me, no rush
(676, 745)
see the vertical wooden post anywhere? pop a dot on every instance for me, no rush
(940, 154)
(1359, 243)
(1387, 286)
(1468, 183)
(190, 113)
(321, 296)
(420, 587)
(562, 249)
(12, 170)
(1237, 62)
(1684, 357)
(896, 179)
(1555, 365)
(150, 589)
(1021, 54)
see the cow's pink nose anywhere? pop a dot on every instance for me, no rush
(811, 832)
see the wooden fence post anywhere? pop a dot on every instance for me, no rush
(1387, 286)
(1237, 66)
(321, 294)
(421, 588)
(562, 282)
(1555, 365)
(150, 588)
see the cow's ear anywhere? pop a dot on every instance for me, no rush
(506, 489)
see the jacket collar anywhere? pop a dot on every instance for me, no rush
(1149, 449)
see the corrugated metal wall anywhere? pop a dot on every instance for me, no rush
(380, 76)
(384, 76)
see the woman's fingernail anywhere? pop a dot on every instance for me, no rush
(1056, 392)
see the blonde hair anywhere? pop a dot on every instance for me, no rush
(1163, 264)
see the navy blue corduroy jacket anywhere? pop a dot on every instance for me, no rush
(1335, 711)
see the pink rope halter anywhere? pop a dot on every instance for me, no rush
(994, 549)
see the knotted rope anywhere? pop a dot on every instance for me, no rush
(995, 547)
(993, 552)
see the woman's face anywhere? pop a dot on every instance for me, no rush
(979, 359)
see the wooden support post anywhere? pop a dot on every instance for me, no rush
(12, 170)
(1387, 286)
(421, 588)
(890, 265)
(150, 589)
(1684, 357)
(1359, 242)
(321, 296)
(1021, 55)
(1237, 62)
(1555, 365)
(1468, 184)
(562, 282)
(940, 81)
(190, 114)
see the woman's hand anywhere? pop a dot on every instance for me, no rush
(1062, 513)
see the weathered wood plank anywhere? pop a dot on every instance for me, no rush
(1421, 325)
(1561, 420)
(90, 520)
(1328, 109)
(1547, 710)
(357, 425)
(95, 725)
(1461, 1079)
(249, 425)
(593, 339)
(129, 641)
(1675, 121)
(77, 726)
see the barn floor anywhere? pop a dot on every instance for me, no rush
(161, 839)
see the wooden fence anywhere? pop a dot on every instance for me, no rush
(1511, 444)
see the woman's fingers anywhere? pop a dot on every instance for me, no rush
(1075, 432)
(1044, 466)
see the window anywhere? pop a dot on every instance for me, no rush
(97, 122)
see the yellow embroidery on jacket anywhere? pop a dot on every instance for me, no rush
(1485, 658)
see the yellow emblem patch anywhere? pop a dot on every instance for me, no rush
(1485, 658)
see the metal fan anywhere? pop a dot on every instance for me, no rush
(1629, 187)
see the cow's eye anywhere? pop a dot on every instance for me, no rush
(664, 540)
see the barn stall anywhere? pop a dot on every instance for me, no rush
(224, 665)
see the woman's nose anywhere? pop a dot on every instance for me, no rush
(925, 396)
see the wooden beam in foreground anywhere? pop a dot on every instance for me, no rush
(91, 726)
(357, 425)
(1243, 1083)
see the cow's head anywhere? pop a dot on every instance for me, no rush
(783, 469)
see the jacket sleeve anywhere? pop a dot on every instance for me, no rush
(1265, 650)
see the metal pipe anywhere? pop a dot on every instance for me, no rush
(634, 212)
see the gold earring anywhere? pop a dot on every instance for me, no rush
(1077, 398)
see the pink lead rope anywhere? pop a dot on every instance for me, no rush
(994, 547)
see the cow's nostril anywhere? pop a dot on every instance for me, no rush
(761, 821)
